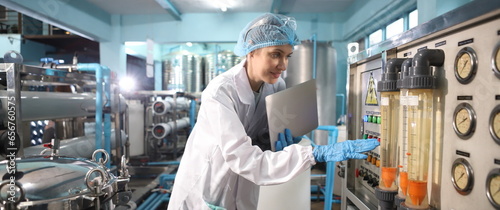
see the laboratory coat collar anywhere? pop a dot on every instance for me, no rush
(242, 83)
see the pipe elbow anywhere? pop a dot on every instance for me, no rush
(428, 57)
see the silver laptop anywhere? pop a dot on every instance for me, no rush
(294, 108)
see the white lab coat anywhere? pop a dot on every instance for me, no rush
(220, 166)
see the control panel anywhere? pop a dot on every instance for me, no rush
(463, 169)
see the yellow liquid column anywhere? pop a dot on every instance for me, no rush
(389, 109)
(420, 84)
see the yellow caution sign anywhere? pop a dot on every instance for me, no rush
(371, 95)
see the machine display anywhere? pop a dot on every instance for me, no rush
(495, 60)
(462, 176)
(466, 65)
(493, 187)
(464, 120)
(495, 124)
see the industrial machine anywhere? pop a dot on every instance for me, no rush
(432, 96)
(73, 173)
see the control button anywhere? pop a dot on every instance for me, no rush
(369, 180)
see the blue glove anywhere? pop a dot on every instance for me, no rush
(286, 139)
(344, 150)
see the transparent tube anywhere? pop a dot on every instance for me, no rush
(420, 113)
(403, 144)
(389, 140)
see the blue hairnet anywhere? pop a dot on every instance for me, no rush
(265, 31)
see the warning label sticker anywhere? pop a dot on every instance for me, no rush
(371, 93)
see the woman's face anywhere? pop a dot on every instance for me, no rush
(266, 64)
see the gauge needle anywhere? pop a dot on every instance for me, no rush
(465, 118)
(463, 67)
(461, 176)
(496, 191)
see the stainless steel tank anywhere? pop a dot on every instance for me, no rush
(182, 72)
(219, 63)
(300, 69)
(57, 182)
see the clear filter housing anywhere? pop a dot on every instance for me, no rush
(403, 144)
(419, 116)
(389, 140)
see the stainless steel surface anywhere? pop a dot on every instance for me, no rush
(300, 69)
(216, 64)
(57, 182)
(78, 147)
(182, 72)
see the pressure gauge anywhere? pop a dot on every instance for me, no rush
(495, 60)
(495, 124)
(462, 176)
(464, 120)
(493, 187)
(465, 65)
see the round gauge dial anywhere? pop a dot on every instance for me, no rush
(495, 60)
(493, 187)
(462, 176)
(464, 120)
(495, 124)
(465, 65)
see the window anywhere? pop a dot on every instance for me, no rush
(395, 28)
(413, 19)
(375, 37)
(3, 13)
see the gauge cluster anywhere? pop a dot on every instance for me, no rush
(468, 107)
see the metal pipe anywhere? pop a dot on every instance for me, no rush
(82, 146)
(192, 113)
(51, 105)
(100, 73)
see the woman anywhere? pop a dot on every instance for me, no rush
(227, 155)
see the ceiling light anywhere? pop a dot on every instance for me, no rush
(223, 8)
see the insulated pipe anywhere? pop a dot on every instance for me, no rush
(82, 146)
(161, 130)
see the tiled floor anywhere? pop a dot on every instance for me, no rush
(320, 205)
